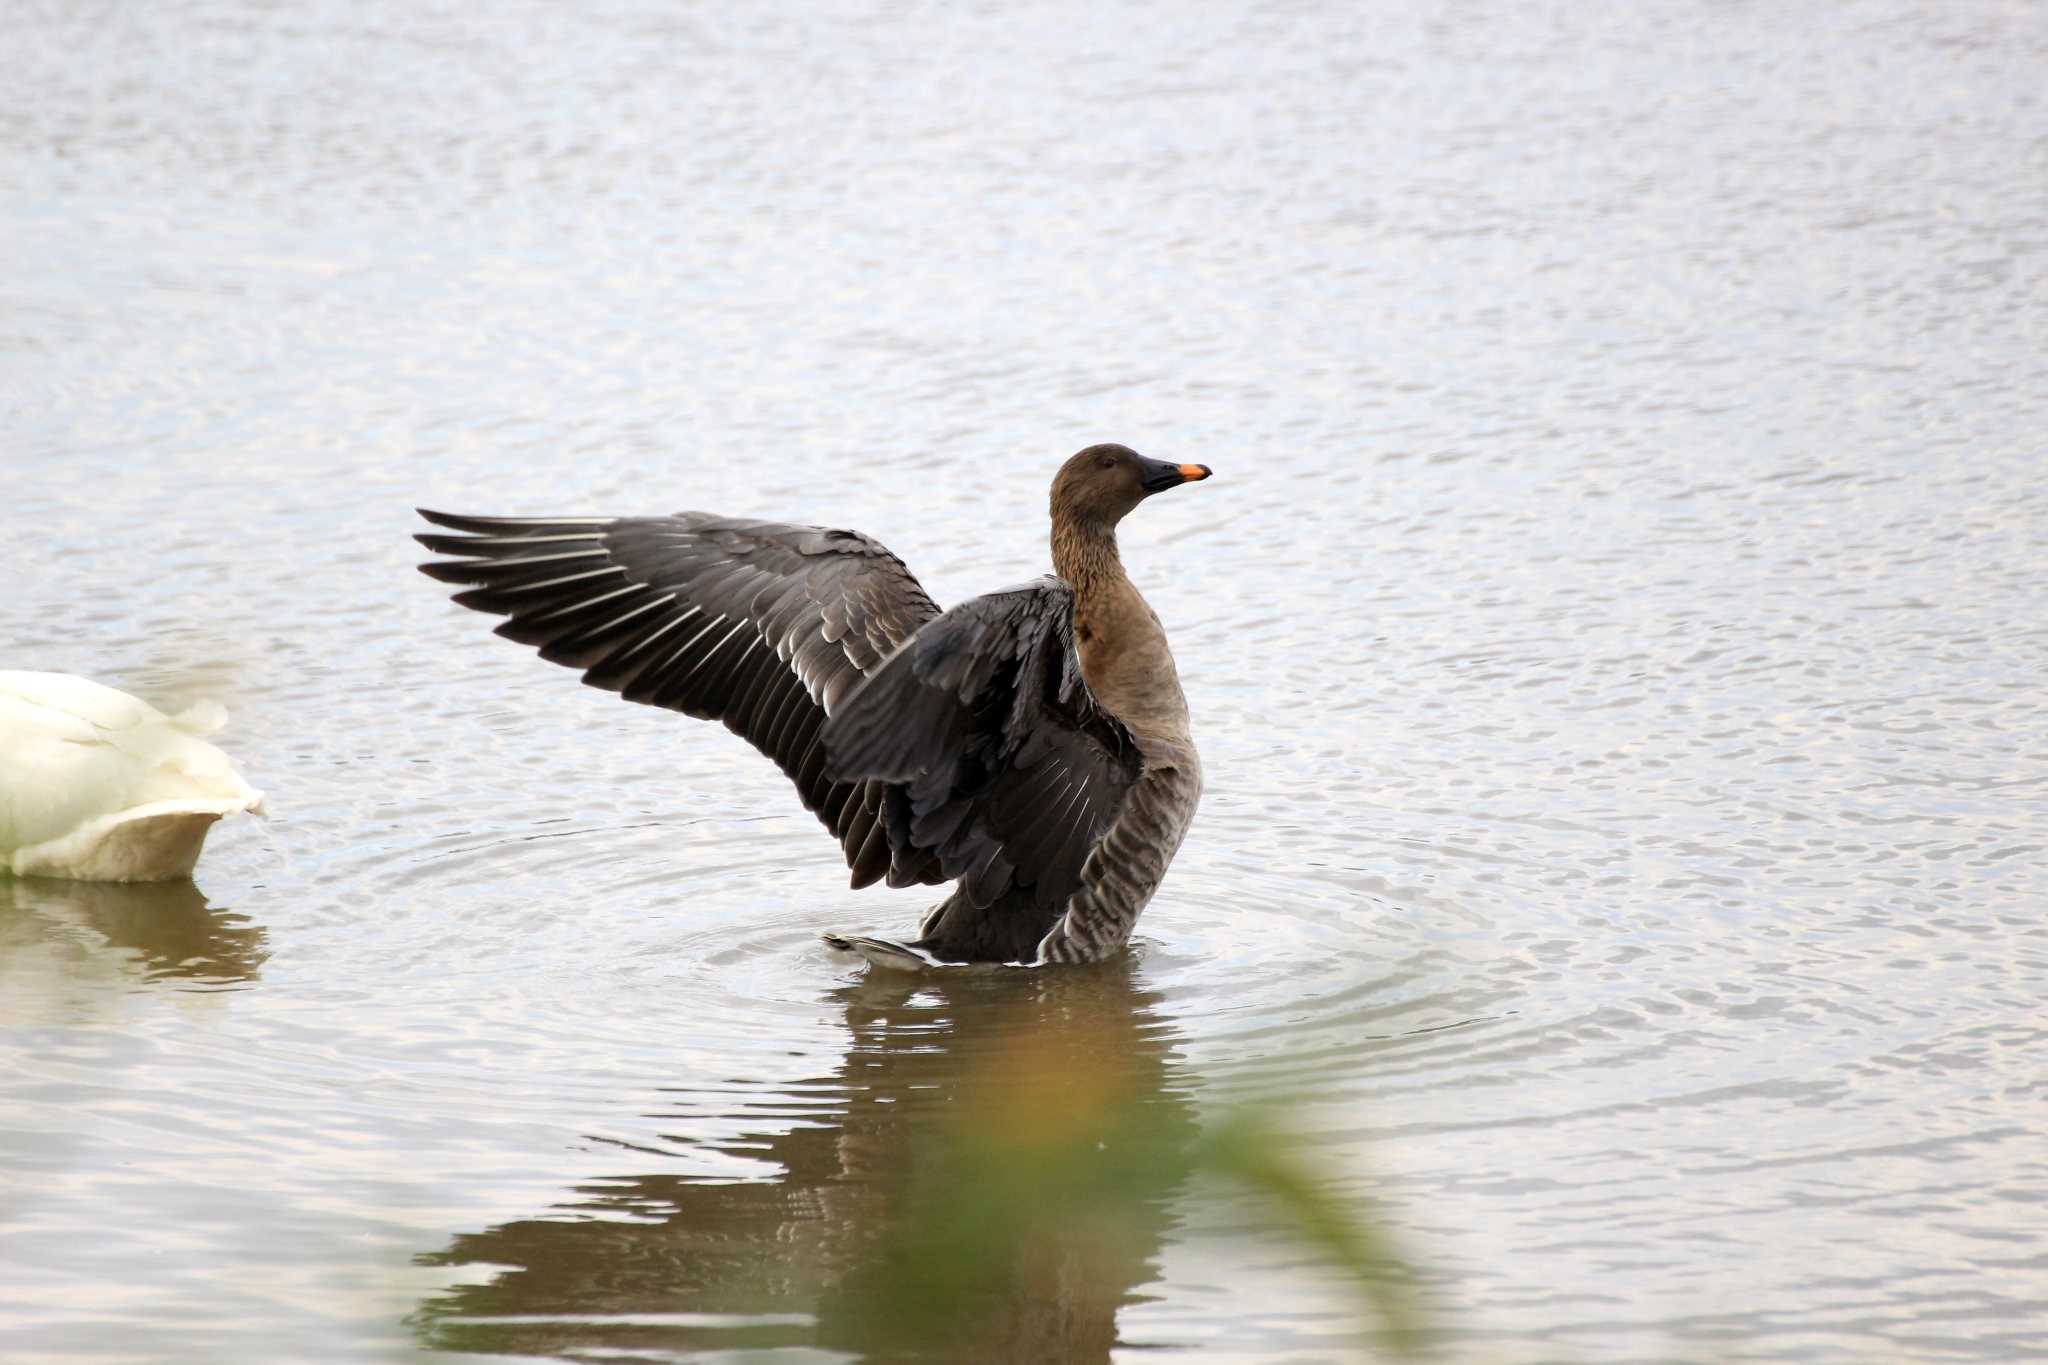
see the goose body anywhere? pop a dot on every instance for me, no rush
(1030, 746)
(97, 785)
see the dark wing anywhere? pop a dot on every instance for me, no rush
(1002, 765)
(763, 626)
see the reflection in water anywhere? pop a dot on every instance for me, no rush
(127, 933)
(820, 1254)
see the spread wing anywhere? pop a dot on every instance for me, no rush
(764, 626)
(1001, 764)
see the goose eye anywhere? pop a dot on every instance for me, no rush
(1107, 462)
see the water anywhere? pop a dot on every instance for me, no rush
(1614, 635)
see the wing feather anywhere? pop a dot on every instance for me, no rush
(1002, 769)
(760, 625)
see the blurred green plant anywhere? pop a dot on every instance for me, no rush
(1056, 1174)
(1253, 1146)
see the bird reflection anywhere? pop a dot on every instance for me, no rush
(57, 933)
(990, 1182)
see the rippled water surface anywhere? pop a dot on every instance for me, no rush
(1615, 634)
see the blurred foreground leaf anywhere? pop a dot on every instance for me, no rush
(1253, 1147)
(1058, 1172)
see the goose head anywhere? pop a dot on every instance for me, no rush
(1096, 487)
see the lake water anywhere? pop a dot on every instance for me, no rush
(1615, 632)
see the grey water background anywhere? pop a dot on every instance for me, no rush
(1616, 636)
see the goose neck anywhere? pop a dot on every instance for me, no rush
(1087, 558)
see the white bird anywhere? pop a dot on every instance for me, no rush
(99, 786)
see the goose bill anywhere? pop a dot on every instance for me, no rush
(1159, 475)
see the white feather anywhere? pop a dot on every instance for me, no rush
(97, 785)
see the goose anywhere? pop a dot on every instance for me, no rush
(100, 786)
(1030, 746)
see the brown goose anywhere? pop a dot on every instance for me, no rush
(1030, 745)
